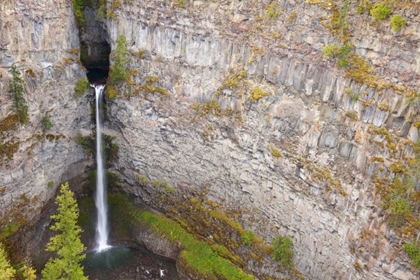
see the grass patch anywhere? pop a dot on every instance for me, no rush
(257, 93)
(10, 229)
(413, 251)
(197, 255)
(247, 238)
(380, 11)
(397, 22)
(81, 86)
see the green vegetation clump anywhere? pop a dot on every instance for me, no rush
(81, 86)
(247, 237)
(11, 228)
(118, 72)
(181, 3)
(352, 115)
(380, 11)
(46, 123)
(339, 22)
(275, 152)
(100, 15)
(78, 9)
(257, 93)
(142, 179)
(66, 243)
(6, 270)
(342, 53)
(399, 205)
(111, 92)
(87, 144)
(17, 90)
(413, 251)
(50, 184)
(395, 221)
(160, 184)
(283, 252)
(330, 50)
(109, 147)
(397, 22)
(272, 11)
(150, 86)
(198, 256)
(364, 5)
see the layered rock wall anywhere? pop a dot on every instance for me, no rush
(40, 38)
(212, 131)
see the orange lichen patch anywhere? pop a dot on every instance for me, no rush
(30, 73)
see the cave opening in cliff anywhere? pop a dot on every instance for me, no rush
(95, 57)
(95, 48)
(97, 75)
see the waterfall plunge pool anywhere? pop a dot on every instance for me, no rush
(128, 263)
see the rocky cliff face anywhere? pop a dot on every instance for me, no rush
(231, 103)
(257, 115)
(40, 38)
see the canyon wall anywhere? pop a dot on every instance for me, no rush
(231, 102)
(257, 115)
(40, 38)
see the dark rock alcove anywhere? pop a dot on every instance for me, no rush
(94, 41)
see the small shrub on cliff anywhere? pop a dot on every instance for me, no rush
(380, 12)
(247, 238)
(400, 206)
(257, 93)
(330, 50)
(46, 123)
(342, 53)
(78, 7)
(111, 92)
(272, 11)
(397, 22)
(81, 86)
(17, 90)
(283, 252)
(118, 71)
(413, 251)
(100, 15)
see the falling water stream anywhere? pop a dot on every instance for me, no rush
(118, 262)
(100, 199)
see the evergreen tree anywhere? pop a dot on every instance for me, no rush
(6, 270)
(66, 243)
(17, 91)
(118, 72)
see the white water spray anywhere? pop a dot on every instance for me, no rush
(101, 195)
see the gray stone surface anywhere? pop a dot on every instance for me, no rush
(305, 116)
(36, 36)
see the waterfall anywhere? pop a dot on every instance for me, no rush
(101, 195)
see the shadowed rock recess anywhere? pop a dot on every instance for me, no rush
(230, 116)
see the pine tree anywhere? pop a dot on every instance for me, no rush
(6, 270)
(17, 90)
(118, 72)
(66, 243)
